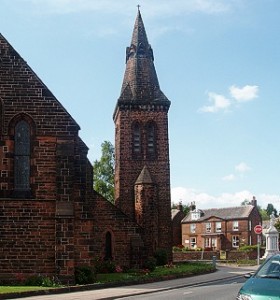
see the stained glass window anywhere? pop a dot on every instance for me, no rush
(22, 156)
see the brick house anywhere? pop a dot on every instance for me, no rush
(221, 228)
(51, 219)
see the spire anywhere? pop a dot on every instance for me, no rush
(139, 41)
(140, 81)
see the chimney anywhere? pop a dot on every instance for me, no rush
(254, 201)
(180, 206)
(193, 206)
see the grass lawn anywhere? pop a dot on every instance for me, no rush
(183, 269)
(20, 289)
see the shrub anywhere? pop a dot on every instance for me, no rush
(39, 280)
(84, 275)
(104, 266)
(248, 248)
(161, 257)
(178, 248)
(150, 264)
(107, 266)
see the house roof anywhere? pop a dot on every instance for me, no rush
(226, 213)
(174, 212)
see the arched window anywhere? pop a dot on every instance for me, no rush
(136, 139)
(1, 116)
(22, 157)
(108, 246)
(151, 140)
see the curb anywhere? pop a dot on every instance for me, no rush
(90, 287)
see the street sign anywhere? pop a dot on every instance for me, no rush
(258, 229)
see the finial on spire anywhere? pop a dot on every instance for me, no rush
(138, 6)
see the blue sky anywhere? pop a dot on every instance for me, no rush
(218, 61)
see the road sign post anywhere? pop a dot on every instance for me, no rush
(258, 231)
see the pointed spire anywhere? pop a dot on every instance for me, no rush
(140, 81)
(139, 40)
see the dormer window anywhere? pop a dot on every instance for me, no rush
(195, 215)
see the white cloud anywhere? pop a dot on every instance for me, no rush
(220, 103)
(242, 167)
(151, 7)
(243, 94)
(238, 95)
(230, 177)
(204, 200)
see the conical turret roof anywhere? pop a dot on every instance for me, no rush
(144, 177)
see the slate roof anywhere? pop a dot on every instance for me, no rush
(144, 177)
(227, 213)
(140, 83)
(174, 212)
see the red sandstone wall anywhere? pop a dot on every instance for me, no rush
(27, 240)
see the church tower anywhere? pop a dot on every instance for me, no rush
(142, 170)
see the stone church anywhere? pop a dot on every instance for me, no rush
(51, 219)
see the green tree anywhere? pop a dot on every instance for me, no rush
(263, 213)
(245, 202)
(186, 208)
(270, 209)
(277, 225)
(103, 172)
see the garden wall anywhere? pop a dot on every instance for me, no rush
(208, 255)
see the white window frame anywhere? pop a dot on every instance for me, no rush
(235, 241)
(218, 226)
(193, 242)
(249, 225)
(195, 215)
(207, 242)
(235, 226)
(192, 227)
(213, 243)
(208, 227)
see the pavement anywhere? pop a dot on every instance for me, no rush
(223, 272)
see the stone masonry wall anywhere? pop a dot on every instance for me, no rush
(128, 169)
(27, 238)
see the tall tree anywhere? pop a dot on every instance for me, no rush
(103, 172)
(245, 202)
(262, 211)
(277, 225)
(271, 209)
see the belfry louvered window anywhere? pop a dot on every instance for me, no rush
(136, 139)
(22, 156)
(151, 140)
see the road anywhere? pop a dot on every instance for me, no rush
(222, 290)
(222, 284)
